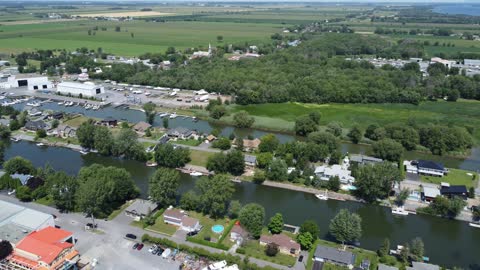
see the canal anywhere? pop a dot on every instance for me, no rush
(471, 163)
(447, 242)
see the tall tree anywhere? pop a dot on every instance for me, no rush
(346, 226)
(62, 187)
(252, 218)
(168, 156)
(268, 143)
(85, 134)
(388, 149)
(384, 249)
(18, 165)
(310, 226)
(242, 119)
(376, 181)
(355, 134)
(163, 186)
(149, 109)
(275, 226)
(103, 140)
(417, 249)
(215, 194)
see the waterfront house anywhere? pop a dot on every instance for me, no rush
(454, 191)
(35, 125)
(363, 160)
(386, 267)
(180, 133)
(325, 172)
(423, 266)
(140, 209)
(164, 139)
(65, 131)
(286, 245)
(335, 256)
(425, 167)
(238, 234)
(181, 219)
(141, 127)
(210, 138)
(250, 160)
(56, 115)
(430, 193)
(108, 122)
(248, 145)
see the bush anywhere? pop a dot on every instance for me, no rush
(240, 250)
(271, 249)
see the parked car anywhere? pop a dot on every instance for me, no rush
(152, 248)
(140, 246)
(160, 251)
(300, 259)
(135, 246)
(131, 236)
(192, 233)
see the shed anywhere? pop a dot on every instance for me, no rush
(140, 208)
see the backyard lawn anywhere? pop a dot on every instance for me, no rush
(254, 249)
(161, 227)
(207, 223)
(199, 158)
(454, 177)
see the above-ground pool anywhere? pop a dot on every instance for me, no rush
(217, 228)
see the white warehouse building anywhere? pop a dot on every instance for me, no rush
(75, 89)
(31, 81)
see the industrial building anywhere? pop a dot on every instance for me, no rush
(77, 89)
(31, 81)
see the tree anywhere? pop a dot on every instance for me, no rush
(333, 183)
(217, 112)
(388, 149)
(165, 122)
(324, 138)
(305, 240)
(335, 128)
(85, 134)
(55, 123)
(62, 188)
(4, 132)
(384, 249)
(23, 193)
(268, 143)
(311, 227)
(219, 38)
(355, 134)
(264, 160)
(346, 227)
(278, 171)
(402, 196)
(259, 176)
(315, 116)
(103, 140)
(234, 209)
(215, 194)
(304, 125)
(417, 249)
(370, 132)
(167, 156)
(243, 120)
(149, 109)
(222, 143)
(275, 226)
(5, 249)
(235, 162)
(18, 165)
(41, 133)
(271, 249)
(252, 218)
(217, 163)
(190, 201)
(163, 186)
(376, 181)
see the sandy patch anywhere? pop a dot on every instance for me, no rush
(124, 14)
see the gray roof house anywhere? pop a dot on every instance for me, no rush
(423, 266)
(386, 267)
(35, 125)
(333, 255)
(362, 159)
(140, 208)
(250, 160)
(180, 132)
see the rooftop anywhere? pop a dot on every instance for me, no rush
(281, 240)
(454, 190)
(423, 266)
(430, 165)
(141, 207)
(431, 192)
(386, 267)
(189, 221)
(26, 218)
(333, 254)
(86, 86)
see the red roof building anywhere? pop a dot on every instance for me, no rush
(47, 249)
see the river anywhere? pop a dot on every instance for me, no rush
(471, 163)
(447, 242)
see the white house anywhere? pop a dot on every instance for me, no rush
(31, 81)
(181, 219)
(326, 172)
(75, 89)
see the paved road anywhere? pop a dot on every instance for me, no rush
(110, 247)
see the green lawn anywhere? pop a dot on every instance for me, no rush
(47, 200)
(454, 177)
(254, 249)
(282, 116)
(207, 224)
(76, 122)
(161, 227)
(199, 158)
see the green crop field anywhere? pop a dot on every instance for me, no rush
(459, 113)
(148, 36)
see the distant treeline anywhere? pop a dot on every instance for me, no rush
(424, 14)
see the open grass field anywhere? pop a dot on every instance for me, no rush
(199, 158)
(459, 113)
(148, 36)
(254, 249)
(454, 177)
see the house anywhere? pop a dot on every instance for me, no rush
(22, 177)
(164, 139)
(423, 266)
(141, 127)
(210, 138)
(200, 54)
(249, 145)
(386, 267)
(109, 122)
(140, 209)
(35, 125)
(181, 219)
(250, 160)
(77, 89)
(238, 234)
(286, 245)
(56, 115)
(430, 193)
(49, 248)
(454, 191)
(65, 131)
(180, 133)
(335, 256)
(363, 160)
(325, 172)
(432, 168)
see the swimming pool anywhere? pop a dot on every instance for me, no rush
(217, 228)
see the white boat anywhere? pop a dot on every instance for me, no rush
(473, 224)
(195, 173)
(14, 139)
(399, 211)
(164, 115)
(34, 113)
(3, 97)
(173, 116)
(33, 104)
(60, 103)
(323, 197)
(151, 164)
(41, 144)
(84, 151)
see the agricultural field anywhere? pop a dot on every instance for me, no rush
(461, 112)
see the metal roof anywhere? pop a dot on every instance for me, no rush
(333, 254)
